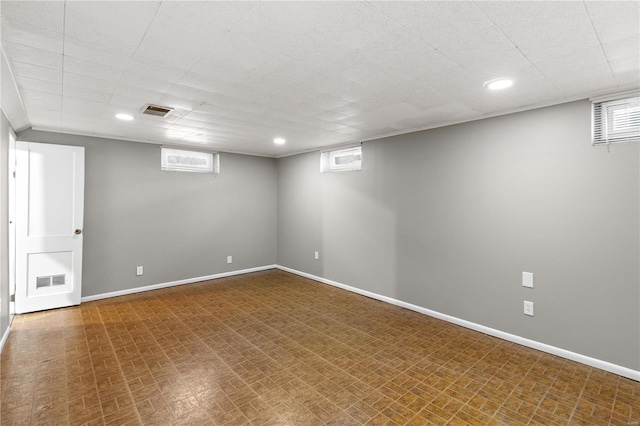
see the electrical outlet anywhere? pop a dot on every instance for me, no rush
(527, 279)
(229, 259)
(528, 308)
(316, 255)
(139, 270)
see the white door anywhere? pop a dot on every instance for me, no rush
(49, 218)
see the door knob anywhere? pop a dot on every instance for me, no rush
(78, 231)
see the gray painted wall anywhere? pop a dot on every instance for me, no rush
(5, 129)
(176, 225)
(447, 219)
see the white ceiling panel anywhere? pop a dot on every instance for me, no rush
(88, 82)
(31, 35)
(210, 82)
(355, 67)
(28, 83)
(622, 48)
(185, 104)
(387, 116)
(218, 109)
(96, 53)
(81, 113)
(137, 93)
(200, 116)
(588, 81)
(614, 23)
(157, 69)
(90, 69)
(48, 15)
(449, 112)
(41, 114)
(83, 125)
(193, 94)
(188, 31)
(489, 61)
(82, 107)
(119, 25)
(317, 73)
(128, 102)
(450, 31)
(279, 32)
(184, 128)
(147, 82)
(41, 100)
(30, 55)
(543, 30)
(36, 72)
(625, 71)
(86, 94)
(189, 124)
(428, 99)
(148, 124)
(571, 61)
(410, 15)
(355, 25)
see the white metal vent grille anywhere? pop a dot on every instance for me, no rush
(49, 281)
(57, 280)
(157, 110)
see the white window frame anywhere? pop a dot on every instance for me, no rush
(203, 162)
(615, 119)
(330, 160)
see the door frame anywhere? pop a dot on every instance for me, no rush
(11, 173)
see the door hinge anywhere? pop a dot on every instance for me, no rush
(12, 298)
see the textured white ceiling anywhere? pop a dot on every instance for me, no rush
(316, 73)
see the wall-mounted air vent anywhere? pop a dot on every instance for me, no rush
(157, 110)
(49, 281)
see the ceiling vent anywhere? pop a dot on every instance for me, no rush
(158, 111)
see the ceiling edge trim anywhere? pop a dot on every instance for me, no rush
(452, 123)
(156, 143)
(10, 99)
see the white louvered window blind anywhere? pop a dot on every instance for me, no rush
(341, 160)
(180, 160)
(616, 121)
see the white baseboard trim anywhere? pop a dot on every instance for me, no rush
(5, 336)
(583, 359)
(174, 283)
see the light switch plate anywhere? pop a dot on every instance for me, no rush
(527, 279)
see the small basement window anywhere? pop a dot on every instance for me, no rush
(341, 160)
(182, 160)
(616, 120)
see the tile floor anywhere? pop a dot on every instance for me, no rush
(272, 348)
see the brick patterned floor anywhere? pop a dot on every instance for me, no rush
(272, 348)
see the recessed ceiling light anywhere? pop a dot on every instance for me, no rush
(279, 141)
(126, 117)
(498, 84)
